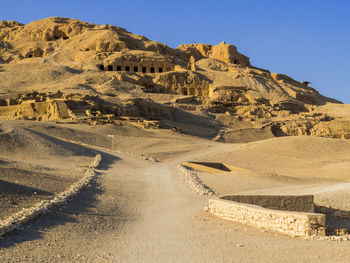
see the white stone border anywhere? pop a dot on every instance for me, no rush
(191, 178)
(296, 224)
(25, 215)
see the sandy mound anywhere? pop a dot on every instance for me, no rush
(307, 157)
(17, 142)
(22, 185)
(160, 144)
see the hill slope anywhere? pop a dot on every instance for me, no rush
(65, 69)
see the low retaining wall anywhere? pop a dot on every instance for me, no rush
(286, 222)
(342, 214)
(295, 203)
(191, 178)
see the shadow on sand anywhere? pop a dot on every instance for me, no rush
(9, 188)
(337, 220)
(34, 229)
(81, 204)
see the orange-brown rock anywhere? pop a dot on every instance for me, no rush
(130, 75)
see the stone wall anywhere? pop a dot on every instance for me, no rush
(291, 223)
(191, 178)
(330, 211)
(296, 203)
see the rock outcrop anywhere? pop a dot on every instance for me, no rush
(223, 52)
(104, 70)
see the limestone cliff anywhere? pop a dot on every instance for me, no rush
(114, 72)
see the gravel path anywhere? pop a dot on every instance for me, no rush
(141, 211)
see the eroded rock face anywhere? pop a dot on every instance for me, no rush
(223, 52)
(105, 72)
(54, 106)
(78, 108)
(183, 83)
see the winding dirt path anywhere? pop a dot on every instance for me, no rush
(140, 211)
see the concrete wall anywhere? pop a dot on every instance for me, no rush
(296, 203)
(286, 222)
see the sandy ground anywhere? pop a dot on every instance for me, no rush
(35, 166)
(287, 165)
(22, 185)
(141, 211)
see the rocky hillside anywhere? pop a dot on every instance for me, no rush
(61, 69)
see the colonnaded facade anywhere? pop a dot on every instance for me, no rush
(142, 66)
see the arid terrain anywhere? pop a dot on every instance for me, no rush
(71, 91)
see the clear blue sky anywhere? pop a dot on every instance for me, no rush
(308, 40)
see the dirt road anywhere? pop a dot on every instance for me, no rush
(140, 211)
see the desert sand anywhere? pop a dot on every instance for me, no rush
(140, 210)
(71, 91)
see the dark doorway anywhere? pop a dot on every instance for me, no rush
(101, 67)
(110, 67)
(127, 68)
(119, 68)
(136, 69)
(235, 61)
(30, 55)
(160, 70)
(144, 69)
(152, 70)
